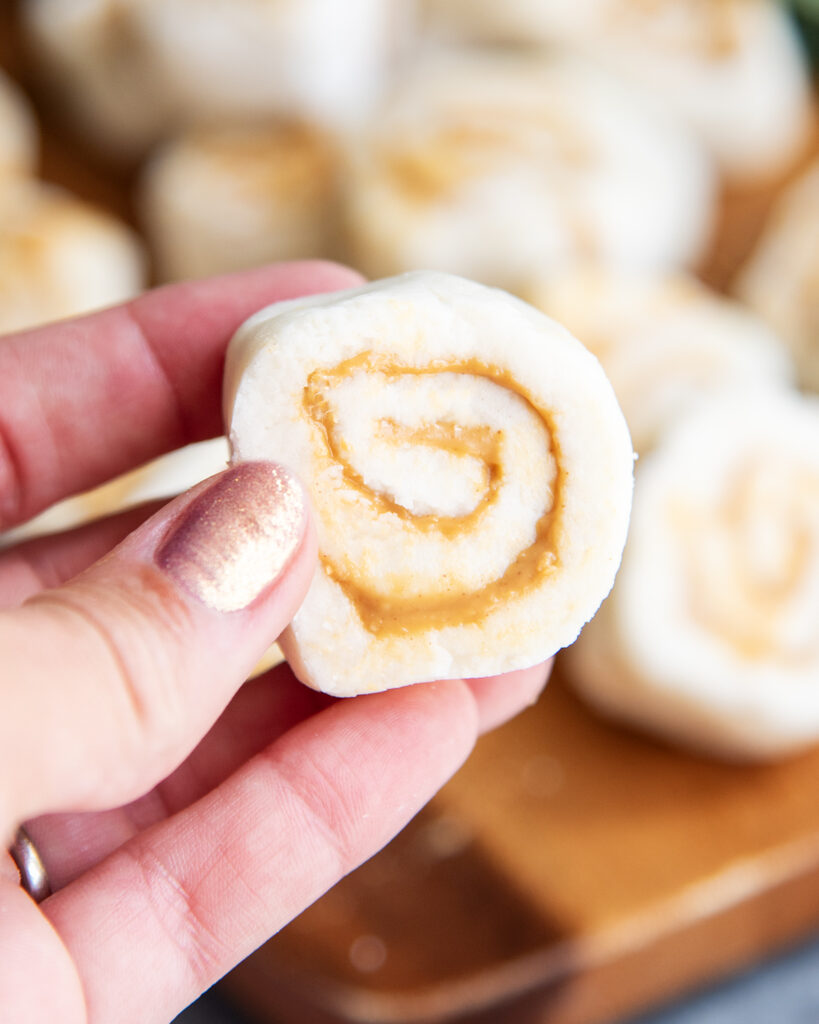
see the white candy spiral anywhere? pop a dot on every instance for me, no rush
(711, 633)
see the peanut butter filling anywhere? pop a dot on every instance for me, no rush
(387, 612)
(715, 31)
(474, 143)
(808, 301)
(738, 599)
(287, 158)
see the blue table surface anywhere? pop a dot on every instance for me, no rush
(782, 991)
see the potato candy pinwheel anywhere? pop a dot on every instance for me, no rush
(131, 71)
(733, 69)
(710, 636)
(666, 341)
(498, 167)
(469, 469)
(780, 281)
(60, 256)
(222, 199)
(18, 131)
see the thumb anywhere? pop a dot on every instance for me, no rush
(109, 681)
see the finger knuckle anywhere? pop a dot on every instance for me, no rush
(131, 640)
(180, 913)
(321, 806)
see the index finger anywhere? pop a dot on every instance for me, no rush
(86, 399)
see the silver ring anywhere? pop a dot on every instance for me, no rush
(33, 875)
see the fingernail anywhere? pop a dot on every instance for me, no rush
(237, 536)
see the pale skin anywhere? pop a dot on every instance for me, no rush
(183, 817)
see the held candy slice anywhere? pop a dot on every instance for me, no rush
(468, 465)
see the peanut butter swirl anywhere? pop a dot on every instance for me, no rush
(394, 606)
(749, 562)
(709, 28)
(472, 142)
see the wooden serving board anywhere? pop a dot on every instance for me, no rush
(572, 872)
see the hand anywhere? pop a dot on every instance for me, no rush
(182, 819)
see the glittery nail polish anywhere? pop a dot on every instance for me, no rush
(237, 536)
